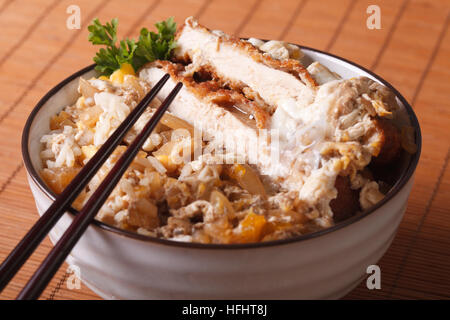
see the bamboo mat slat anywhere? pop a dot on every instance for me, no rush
(315, 23)
(411, 51)
(361, 45)
(227, 14)
(268, 22)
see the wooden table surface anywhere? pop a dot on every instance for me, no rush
(411, 50)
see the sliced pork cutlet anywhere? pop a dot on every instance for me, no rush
(242, 65)
(224, 115)
(231, 88)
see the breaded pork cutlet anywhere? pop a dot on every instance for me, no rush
(329, 128)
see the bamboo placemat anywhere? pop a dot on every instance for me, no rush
(411, 50)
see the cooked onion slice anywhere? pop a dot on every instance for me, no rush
(173, 122)
(86, 89)
(247, 178)
(220, 203)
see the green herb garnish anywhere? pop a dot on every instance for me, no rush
(151, 46)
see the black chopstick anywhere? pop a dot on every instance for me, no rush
(11, 265)
(57, 255)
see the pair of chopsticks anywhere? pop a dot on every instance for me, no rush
(42, 227)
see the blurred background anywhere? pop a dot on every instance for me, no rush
(411, 50)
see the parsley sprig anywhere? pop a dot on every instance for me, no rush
(150, 46)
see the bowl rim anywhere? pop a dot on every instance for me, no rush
(395, 189)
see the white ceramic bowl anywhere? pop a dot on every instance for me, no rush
(118, 264)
